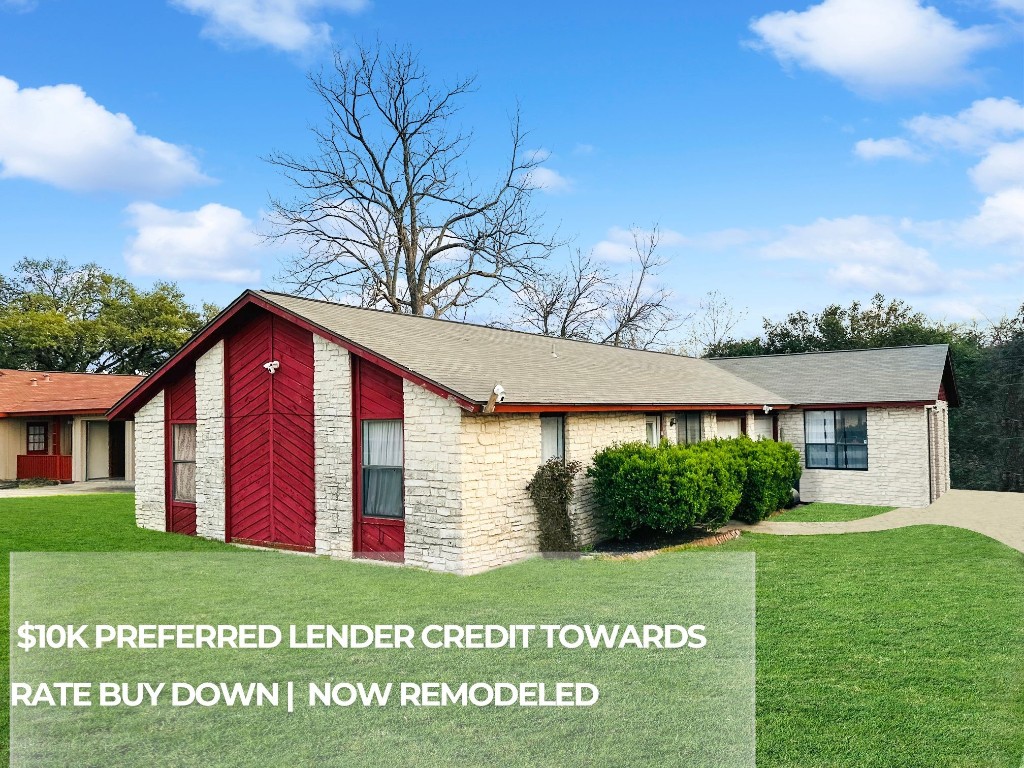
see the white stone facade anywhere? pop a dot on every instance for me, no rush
(500, 455)
(433, 480)
(897, 473)
(332, 439)
(150, 466)
(210, 470)
(585, 435)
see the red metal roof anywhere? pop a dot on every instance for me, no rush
(24, 393)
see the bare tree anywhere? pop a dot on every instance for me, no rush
(588, 301)
(712, 323)
(386, 211)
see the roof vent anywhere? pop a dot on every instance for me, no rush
(46, 377)
(34, 382)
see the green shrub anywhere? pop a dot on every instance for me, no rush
(772, 471)
(673, 488)
(551, 490)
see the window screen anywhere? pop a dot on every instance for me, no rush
(836, 439)
(183, 479)
(382, 468)
(37, 438)
(653, 430)
(552, 437)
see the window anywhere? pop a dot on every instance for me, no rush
(653, 427)
(688, 429)
(382, 468)
(37, 437)
(183, 463)
(552, 437)
(836, 439)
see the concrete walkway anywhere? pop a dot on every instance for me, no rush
(69, 489)
(999, 516)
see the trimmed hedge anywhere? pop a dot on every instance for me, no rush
(673, 488)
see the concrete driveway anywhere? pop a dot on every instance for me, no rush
(69, 489)
(999, 516)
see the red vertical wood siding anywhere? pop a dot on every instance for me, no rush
(269, 434)
(179, 408)
(377, 394)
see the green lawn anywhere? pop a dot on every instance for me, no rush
(896, 649)
(820, 512)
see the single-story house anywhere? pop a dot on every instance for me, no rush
(304, 424)
(52, 426)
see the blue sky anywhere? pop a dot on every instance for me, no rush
(792, 154)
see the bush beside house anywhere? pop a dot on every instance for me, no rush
(673, 488)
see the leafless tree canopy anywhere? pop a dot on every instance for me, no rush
(385, 210)
(588, 301)
(712, 323)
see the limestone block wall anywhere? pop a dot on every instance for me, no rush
(150, 492)
(210, 469)
(585, 435)
(433, 480)
(708, 425)
(500, 455)
(897, 473)
(332, 438)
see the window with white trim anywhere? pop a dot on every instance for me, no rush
(653, 429)
(552, 437)
(382, 468)
(836, 439)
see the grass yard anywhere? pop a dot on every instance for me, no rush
(897, 649)
(820, 512)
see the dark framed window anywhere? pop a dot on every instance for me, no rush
(382, 468)
(688, 428)
(836, 439)
(38, 437)
(552, 437)
(183, 463)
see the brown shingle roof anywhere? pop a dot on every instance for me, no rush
(40, 392)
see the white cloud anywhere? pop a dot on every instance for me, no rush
(981, 124)
(537, 155)
(289, 25)
(1010, 5)
(874, 46)
(618, 244)
(861, 252)
(1001, 168)
(212, 243)
(875, 149)
(58, 135)
(548, 180)
(1000, 221)
(583, 149)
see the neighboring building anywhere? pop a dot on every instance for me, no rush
(320, 427)
(52, 426)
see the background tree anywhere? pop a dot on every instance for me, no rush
(712, 324)
(58, 317)
(386, 211)
(986, 431)
(586, 300)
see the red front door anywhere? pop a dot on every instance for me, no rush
(269, 434)
(379, 499)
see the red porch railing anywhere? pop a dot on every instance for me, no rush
(50, 467)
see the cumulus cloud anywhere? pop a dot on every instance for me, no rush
(1016, 6)
(874, 46)
(1001, 168)
(289, 25)
(975, 128)
(548, 180)
(876, 149)
(1000, 221)
(58, 135)
(214, 242)
(861, 252)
